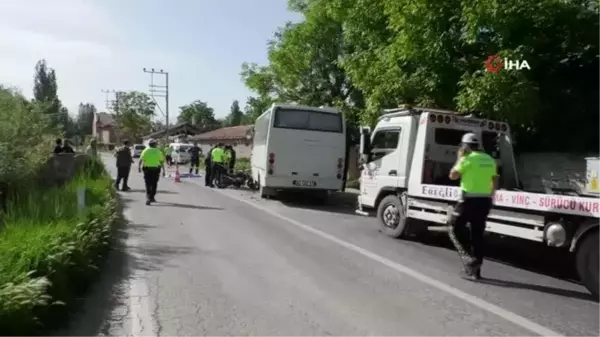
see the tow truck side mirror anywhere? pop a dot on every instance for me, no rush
(365, 141)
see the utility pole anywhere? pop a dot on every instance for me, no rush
(160, 91)
(113, 105)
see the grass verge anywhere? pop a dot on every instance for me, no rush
(51, 250)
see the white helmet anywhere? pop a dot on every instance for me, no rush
(469, 138)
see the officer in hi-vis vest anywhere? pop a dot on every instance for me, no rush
(477, 172)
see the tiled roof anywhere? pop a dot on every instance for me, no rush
(233, 132)
(174, 129)
(105, 119)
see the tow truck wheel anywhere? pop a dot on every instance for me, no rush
(587, 262)
(391, 214)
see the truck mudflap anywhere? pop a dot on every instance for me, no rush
(552, 203)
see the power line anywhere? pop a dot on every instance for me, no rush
(113, 106)
(160, 91)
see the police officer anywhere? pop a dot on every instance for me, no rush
(217, 158)
(168, 151)
(477, 172)
(152, 160)
(208, 168)
(226, 157)
(195, 153)
(230, 157)
(123, 161)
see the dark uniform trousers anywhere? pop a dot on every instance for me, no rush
(151, 177)
(216, 171)
(469, 241)
(207, 172)
(194, 163)
(122, 175)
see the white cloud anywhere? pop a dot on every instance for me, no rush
(79, 40)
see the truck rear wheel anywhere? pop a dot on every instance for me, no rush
(587, 262)
(391, 215)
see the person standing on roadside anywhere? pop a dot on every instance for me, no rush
(195, 153)
(67, 147)
(217, 158)
(230, 157)
(477, 172)
(124, 161)
(92, 149)
(152, 160)
(169, 155)
(208, 168)
(58, 146)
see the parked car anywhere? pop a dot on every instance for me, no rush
(180, 153)
(137, 149)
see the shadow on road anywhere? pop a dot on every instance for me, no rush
(514, 252)
(157, 257)
(134, 190)
(338, 202)
(188, 206)
(105, 307)
(539, 288)
(521, 254)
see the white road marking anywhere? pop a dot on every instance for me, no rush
(140, 315)
(489, 307)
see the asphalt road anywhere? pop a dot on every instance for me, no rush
(221, 262)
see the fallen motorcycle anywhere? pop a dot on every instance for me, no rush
(236, 179)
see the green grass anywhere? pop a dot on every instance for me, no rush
(51, 250)
(242, 164)
(34, 219)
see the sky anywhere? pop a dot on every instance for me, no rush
(105, 44)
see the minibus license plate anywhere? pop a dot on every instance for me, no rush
(304, 183)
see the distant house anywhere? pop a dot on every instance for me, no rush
(240, 137)
(178, 133)
(104, 128)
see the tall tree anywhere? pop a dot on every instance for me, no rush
(85, 118)
(157, 125)
(67, 123)
(365, 55)
(45, 91)
(199, 114)
(236, 115)
(255, 106)
(136, 110)
(305, 63)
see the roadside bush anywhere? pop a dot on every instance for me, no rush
(51, 250)
(26, 138)
(242, 164)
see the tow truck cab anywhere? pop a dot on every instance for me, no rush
(406, 161)
(411, 147)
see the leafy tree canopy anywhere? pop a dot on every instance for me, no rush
(365, 55)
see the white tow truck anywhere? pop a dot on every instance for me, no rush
(407, 159)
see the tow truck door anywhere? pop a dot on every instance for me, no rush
(383, 167)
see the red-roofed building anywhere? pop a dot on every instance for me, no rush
(104, 128)
(240, 137)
